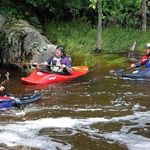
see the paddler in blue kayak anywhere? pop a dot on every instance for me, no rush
(58, 63)
(138, 72)
(145, 60)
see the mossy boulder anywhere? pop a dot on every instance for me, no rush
(21, 42)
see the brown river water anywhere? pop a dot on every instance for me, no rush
(92, 112)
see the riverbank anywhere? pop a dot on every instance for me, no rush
(79, 39)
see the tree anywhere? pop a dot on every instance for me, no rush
(98, 4)
(144, 16)
(99, 27)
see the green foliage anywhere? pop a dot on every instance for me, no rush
(60, 8)
(123, 13)
(74, 6)
(34, 21)
(38, 3)
(93, 4)
(11, 11)
(80, 37)
(73, 34)
(79, 40)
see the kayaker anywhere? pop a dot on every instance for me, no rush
(58, 63)
(145, 60)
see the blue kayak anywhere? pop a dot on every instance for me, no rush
(7, 102)
(137, 73)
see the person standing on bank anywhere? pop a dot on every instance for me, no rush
(58, 63)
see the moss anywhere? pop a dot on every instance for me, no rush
(16, 24)
(5, 41)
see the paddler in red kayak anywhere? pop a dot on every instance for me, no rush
(58, 63)
(145, 60)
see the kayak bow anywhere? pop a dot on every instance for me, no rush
(38, 77)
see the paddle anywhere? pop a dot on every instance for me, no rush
(38, 64)
(76, 68)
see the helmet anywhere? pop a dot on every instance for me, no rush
(61, 48)
(148, 45)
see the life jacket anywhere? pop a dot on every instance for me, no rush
(55, 62)
(69, 57)
(145, 60)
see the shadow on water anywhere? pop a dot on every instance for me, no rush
(92, 112)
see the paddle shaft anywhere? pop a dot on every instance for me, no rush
(69, 70)
(78, 68)
(34, 65)
(43, 65)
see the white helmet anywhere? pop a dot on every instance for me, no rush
(148, 45)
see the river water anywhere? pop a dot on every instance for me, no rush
(92, 112)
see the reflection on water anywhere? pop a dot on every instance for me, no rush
(92, 112)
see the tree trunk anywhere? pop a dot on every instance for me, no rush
(144, 17)
(99, 27)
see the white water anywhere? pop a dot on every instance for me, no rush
(87, 103)
(27, 133)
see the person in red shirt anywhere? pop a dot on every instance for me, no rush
(145, 60)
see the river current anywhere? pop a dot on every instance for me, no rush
(92, 112)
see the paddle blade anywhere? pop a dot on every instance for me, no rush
(80, 68)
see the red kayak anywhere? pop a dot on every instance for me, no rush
(38, 77)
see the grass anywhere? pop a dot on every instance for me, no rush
(79, 38)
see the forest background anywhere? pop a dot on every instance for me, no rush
(74, 23)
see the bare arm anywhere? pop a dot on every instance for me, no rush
(69, 69)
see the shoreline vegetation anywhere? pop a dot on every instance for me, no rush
(79, 39)
(74, 25)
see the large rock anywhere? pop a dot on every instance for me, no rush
(2, 21)
(20, 42)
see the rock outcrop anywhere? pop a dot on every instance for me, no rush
(21, 42)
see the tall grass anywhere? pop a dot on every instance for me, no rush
(76, 36)
(79, 38)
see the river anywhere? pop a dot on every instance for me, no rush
(92, 112)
